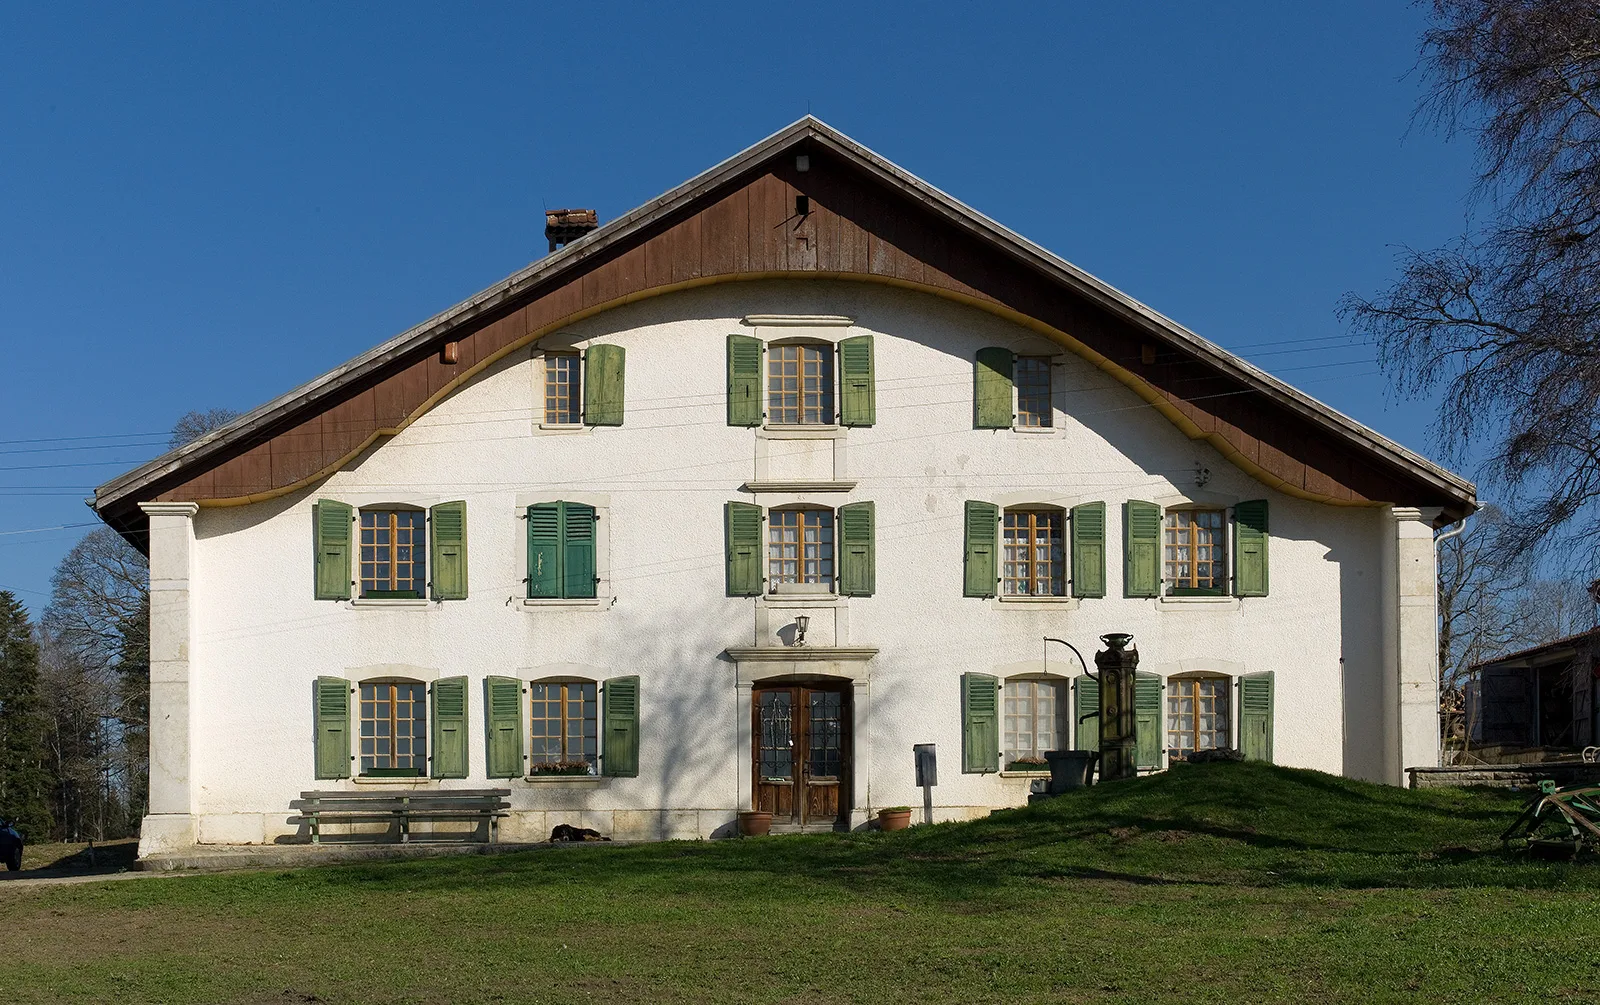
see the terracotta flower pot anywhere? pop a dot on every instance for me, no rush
(754, 823)
(894, 820)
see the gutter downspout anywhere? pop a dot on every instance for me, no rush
(1439, 539)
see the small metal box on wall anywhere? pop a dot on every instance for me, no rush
(927, 760)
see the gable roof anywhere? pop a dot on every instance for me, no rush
(870, 220)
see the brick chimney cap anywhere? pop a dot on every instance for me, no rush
(571, 218)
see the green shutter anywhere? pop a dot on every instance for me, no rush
(1147, 719)
(744, 381)
(502, 711)
(980, 723)
(982, 525)
(544, 550)
(1089, 550)
(1255, 716)
(331, 698)
(1086, 699)
(450, 728)
(742, 526)
(857, 550)
(1250, 549)
(858, 405)
(991, 389)
(577, 554)
(619, 750)
(603, 369)
(331, 521)
(447, 527)
(1141, 549)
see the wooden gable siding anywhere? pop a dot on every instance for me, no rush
(858, 227)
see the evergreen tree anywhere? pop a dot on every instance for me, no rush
(24, 778)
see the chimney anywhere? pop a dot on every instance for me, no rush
(563, 226)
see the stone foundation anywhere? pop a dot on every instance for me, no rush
(1505, 776)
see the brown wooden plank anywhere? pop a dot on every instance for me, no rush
(657, 262)
(630, 267)
(349, 423)
(390, 399)
(297, 453)
(723, 237)
(685, 244)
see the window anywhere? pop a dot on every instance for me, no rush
(564, 726)
(394, 728)
(800, 548)
(800, 384)
(393, 550)
(1035, 560)
(1035, 713)
(1194, 551)
(1197, 714)
(563, 390)
(1033, 392)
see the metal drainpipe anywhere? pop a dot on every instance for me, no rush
(1439, 539)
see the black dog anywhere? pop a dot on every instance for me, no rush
(567, 832)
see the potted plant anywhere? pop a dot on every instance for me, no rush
(560, 768)
(1029, 764)
(754, 823)
(894, 818)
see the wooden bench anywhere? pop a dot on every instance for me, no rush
(351, 807)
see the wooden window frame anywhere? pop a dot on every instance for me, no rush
(588, 721)
(1191, 586)
(825, 561)
(819, 400)
(563, 399)
(1188, 686)
(417, 533)
(1057, 584)
(1030, 395)
(1059, 714)
(418, 726)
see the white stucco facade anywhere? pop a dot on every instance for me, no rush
(238, 639)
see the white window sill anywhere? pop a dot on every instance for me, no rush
(1215, 603)
(415, 602)
(564, 427)
(565, 779)
(802, 599)
(1003, 602)
(1035, 430)
(801, 432)
(415, 781)
(578, 603)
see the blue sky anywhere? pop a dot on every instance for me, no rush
(204, 205)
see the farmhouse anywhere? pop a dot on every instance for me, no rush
(728, 503)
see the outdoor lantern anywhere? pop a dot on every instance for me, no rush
(801, 623)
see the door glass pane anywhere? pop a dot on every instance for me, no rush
(827, 737)
(777, 735)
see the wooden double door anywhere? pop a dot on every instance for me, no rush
(802, 752)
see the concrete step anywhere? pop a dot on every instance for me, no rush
(823, 827)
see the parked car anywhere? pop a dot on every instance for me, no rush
(10, 846)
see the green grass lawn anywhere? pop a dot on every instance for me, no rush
(1209, 883)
